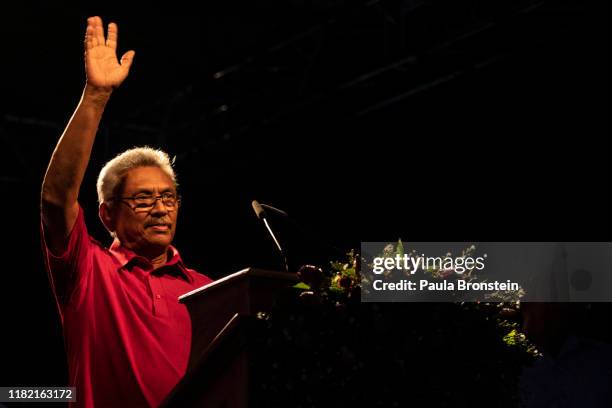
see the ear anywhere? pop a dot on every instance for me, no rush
(106, 214)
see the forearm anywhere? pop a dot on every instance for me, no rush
(70, 158)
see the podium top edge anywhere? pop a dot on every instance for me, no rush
(239, 275)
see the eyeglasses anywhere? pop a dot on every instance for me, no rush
(146, 202)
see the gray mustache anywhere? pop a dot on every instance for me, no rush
(161, 221)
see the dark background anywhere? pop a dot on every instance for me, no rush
(364, 120)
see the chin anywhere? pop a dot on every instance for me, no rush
(165, 241)
(160, 241)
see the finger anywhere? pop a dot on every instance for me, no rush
(111, 38)
(98, 31)
(89, 37)
(127, 59)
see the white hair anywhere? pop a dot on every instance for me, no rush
(112, 174)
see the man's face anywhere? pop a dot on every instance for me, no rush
(148, 233)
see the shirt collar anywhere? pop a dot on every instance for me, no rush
(126, 256)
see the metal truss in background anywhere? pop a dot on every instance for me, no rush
(357, 57)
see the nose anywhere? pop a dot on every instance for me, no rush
(159, 207)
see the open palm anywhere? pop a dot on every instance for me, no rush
(103, 68)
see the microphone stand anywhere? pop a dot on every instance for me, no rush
(261, 214)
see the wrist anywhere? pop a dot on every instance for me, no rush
(97, 95)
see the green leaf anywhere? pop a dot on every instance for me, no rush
(510, 338)
(302, 285)
(399, 249)
(350, 272)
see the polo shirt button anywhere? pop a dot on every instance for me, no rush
(158, 296)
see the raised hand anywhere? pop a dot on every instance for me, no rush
(103, 68)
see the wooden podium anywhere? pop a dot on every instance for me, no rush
(217, 373)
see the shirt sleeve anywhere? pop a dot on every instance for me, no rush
(68, 271)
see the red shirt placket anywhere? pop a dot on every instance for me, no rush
(156, 287)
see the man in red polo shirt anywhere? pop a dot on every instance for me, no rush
(127, 338)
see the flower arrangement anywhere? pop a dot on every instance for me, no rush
(322, 338)
(503, 306)
(341, 284)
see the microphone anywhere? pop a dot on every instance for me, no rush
(262, 215)
(273, 209)
(262, 210)
(259, 211)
